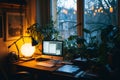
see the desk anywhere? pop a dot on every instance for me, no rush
(44, 73)
(32, 64)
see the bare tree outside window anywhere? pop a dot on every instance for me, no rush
(99, 14)
(66, 17)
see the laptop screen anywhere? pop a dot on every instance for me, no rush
(52, 48)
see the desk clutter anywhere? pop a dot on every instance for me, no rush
(75, 71)
(47, 63)
(69, 69)
(57, 69)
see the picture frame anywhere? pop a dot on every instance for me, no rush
(14, 25)
(1, 26)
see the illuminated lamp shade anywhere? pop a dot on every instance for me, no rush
(111, 9)
(27, 50)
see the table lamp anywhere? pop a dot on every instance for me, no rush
(27, 49)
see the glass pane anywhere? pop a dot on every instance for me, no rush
(99, 14)
(66, 17)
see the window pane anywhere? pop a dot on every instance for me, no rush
(99, 14)
(66, 17)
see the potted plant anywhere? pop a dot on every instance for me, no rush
(70, 47)
(43, 32)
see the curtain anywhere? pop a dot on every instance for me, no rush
(44, 11)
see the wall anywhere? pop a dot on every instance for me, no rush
(3, 48)
(31, 12)
(30, 18)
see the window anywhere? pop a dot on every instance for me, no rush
(65, 17)
(99, 14)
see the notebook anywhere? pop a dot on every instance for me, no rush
(68, 69)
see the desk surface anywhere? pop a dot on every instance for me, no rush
(33, 64)
(50, 71)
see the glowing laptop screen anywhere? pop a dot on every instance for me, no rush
(52, 48)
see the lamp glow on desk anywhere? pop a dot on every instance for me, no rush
(27, 49)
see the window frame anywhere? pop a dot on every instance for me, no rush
(79, 15)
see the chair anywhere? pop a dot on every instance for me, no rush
(22, 75)
(7, 71)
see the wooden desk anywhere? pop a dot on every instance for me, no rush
(32, 64)
(44, 73)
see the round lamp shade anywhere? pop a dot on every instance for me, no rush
(27, 50)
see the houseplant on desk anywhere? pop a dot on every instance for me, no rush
(43, 32)
(109, 47)
(109, 37)
(99, 48)
(77, 46)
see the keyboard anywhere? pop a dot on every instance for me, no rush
(41, 59)
(46, 63)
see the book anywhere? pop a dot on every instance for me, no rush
(68, 69)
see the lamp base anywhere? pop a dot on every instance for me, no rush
(26, 58)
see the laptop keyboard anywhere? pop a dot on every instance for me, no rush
(41, 59)
(48, 63)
